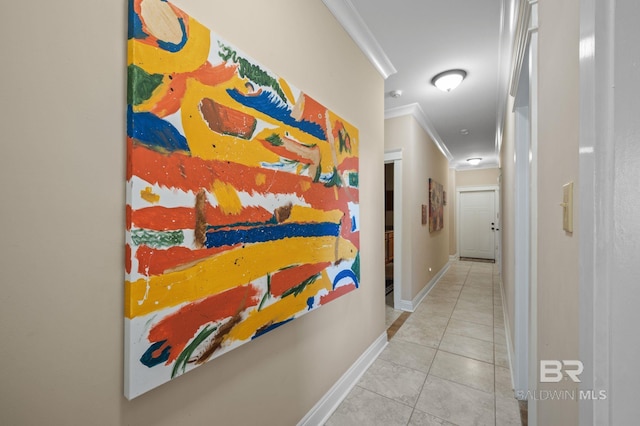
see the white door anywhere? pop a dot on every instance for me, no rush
(478, 224)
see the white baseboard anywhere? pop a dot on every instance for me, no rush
(454, 257)
(321, 412)
(507, 331)
(411, 305)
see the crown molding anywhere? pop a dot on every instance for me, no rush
(354, 25)
(416, 111)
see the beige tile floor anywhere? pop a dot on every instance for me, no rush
(446, 365)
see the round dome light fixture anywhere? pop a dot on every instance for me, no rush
(474, 161)
(448, 80)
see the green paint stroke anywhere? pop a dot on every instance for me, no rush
(267, 295)
(251, 71)
(356, 266)
(185, 355)
(354, 179)
(334, 180)
(300, 287)
(275, 140)
(141, 84)
(156, 239)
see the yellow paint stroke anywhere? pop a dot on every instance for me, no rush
(282, 310)
(304, 185)
(155, 60)
(309, 214)
(230, 269)
(204, 142)
(148, 195)
(287, 90)
(261, 179)
(227, 197)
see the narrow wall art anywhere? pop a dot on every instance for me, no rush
(436, 209)
(242, 199)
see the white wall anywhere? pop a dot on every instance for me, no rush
(62, 168)
(558, 266)
(623, 283)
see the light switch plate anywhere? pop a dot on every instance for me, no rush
(567, 207)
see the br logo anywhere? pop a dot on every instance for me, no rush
(551, 370)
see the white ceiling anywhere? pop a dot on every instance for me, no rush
(410, 41)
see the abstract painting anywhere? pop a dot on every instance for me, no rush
(242, 207)
(436, 209)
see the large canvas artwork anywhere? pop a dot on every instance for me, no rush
(436, 209)
(242, 199)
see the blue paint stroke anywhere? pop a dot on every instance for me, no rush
(149, 360)
(269, 104)
(135, 31)
(269, 328)
(154, 132)
(135, 24)
(175, 47)
(354, 225)
(347, 273)
(310, 302)
(271, 233)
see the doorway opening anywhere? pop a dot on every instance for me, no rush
(393, 234)
(388, 234)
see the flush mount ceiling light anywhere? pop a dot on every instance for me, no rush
(395, 93)
(474, 161)
(448, 80)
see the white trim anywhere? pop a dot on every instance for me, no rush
(597, 168)
(508, 25)
(354, 25)
(395, 157)
(533, 165)
(416, 112)
(507, 331)
(454, 257)
(411, 305)
(323, 409)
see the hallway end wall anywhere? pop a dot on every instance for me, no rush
(479, 177)
(63, 117)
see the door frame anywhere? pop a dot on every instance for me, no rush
(496, 200)
(395, 157)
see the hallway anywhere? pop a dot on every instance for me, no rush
(446, 363)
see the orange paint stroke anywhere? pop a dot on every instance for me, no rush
(207, 74)
(340, 291)
(348, 164)
(127, 258)
(180, 327)
(286, 279)
(128, 214)
(192, 173)
(161, 218)
(250, 214)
